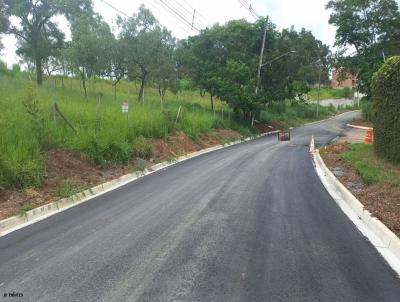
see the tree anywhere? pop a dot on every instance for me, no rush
(165, 75)
(91, 39)
(117, 64)
(38, 35)
(143, 37)
(386, 93)
(372, 27)
(4, 22)
(223, 60)
(206, 56)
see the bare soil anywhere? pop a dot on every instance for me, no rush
(63, 166)
(363, 123)
(382, 200)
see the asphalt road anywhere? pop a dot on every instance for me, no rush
(251, 222)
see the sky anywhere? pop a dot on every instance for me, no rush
(310, 14)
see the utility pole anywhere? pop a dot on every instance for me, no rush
(260, 62)
(194, 14)
(319, 86)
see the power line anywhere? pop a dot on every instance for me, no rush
(155, 8)
(204, 18)
(192, 12)
(172, 10)
(250, 8)
(114, 8)
(186, 24)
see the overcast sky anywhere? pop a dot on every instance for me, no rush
(310, 14)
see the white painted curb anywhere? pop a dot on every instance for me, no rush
(332, 117)
(17, 222)
(381, 237)
(359, 127)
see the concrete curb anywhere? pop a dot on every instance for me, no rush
(381, 237)
(17, 222)
(358, 127)
(335, 116)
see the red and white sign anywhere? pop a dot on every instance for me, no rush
(125, 107)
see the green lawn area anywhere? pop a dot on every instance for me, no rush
(329, 93)
(371, 168)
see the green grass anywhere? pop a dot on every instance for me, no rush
(24, 209)
(28, 128)
(67, 189)
(372, 169)
(294, 115)
(329, 93)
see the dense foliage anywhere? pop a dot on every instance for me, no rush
(372, 28)
(386, 95)
(223, 61)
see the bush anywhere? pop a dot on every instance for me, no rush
(142, 148)
(386, 103)
(108, 152)
(16, 69)
(366, 107)
(348, 92)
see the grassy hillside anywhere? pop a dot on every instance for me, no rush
(330, 93)
(285, 115)
(28, 127)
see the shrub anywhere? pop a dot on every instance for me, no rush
(67, 189)
(348, 93)
(142, 148)
(386, 103)
(3, 67)
(16, 69)
(366, 107)
(108, 152)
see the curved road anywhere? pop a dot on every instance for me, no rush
(251, 222)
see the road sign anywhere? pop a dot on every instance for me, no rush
(125, 107)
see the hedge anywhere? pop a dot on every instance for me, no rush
(386, 98)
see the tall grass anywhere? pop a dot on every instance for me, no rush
(330, 93)
(287, 114)
(101, 130)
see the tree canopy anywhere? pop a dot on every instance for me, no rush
(223, 61)
(372, 28)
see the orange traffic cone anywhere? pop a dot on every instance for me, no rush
(369, 137)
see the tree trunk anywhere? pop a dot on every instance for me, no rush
(84, 81)
(161, 92)
(142, 82)
(39, 71)
(212, 102)
(115, 92)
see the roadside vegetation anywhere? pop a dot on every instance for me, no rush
(293, 114)
(330, 93)
(70, 93)
(29, 126)
(372, 169)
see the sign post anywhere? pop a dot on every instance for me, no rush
(125, 107)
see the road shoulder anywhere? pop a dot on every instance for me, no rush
(380, 236)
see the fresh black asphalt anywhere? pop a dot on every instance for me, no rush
(251, 222)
